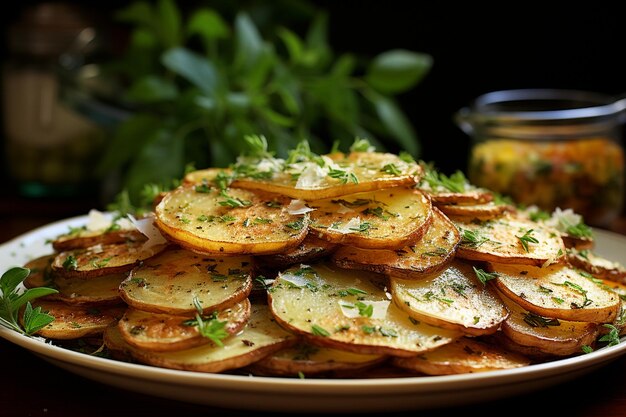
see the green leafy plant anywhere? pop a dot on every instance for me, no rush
(12, 300)
(197, 81)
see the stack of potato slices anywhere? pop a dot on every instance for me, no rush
(332, 265)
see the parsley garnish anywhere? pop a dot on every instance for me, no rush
(612, 336)
(319, 331)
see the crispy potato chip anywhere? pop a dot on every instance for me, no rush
(101, 260)
(469, 197)
(453, 299)
(508, 239)
(74, 321)
(464, 355)
(177, 281)
(259, 338)
(160, 332)
(383, 219)
(201, 219)
(349, 310)
(429, 254)
(557, 291)
(341, 175)
(549, 335)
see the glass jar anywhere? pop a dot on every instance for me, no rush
(550, 148)
(50, 149)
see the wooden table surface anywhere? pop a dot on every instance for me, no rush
(32, 387)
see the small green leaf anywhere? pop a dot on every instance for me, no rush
(292, 42)
(208, 24)
(151, 89)
(30, 295)
(396, 122)
(249, 43)
(11, 279)
(398, 70)
(196, 69)
(169, 23)
(35, 319)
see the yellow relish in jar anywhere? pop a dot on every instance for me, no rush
(549, 148)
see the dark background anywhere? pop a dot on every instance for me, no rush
(476, 48)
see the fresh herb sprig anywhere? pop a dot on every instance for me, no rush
(12, 300)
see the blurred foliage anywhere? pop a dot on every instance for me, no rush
(198, 79)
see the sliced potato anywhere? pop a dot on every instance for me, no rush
(453, 298)
(349, 310)
(557, 291)
(176, 280)
(86, 238)
(164, 332)
(483, 211)
(343, 174)
(308, 360)
(429, 254)
(94, 291)
(620, 321)
(244, 222)
(310, 250)
(205, 176)
(471, 196)
(464, 355)
(548, 335)
(259, 338)
(383, 219)
(101, 260)
(597, 265)
(74, 321)
(511, 240)
(40, 272)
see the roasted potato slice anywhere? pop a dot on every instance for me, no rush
(383, 219)
(429, 254)
(311, 360)
(205, 176)
(177, 280)
(159, 332)
(310, 250)
(453, 299)
(94, 291)
(548, 335)
(74, 321)
(40, 274)
(349, 310)
(557, 291)
(101, 229)
(242, 222)
(483, 211)
(340, 175)
(597, 265)
(470, 197)
(620, 289)
(101, 260)
(259, 338)
(464, 355)
(511, 240)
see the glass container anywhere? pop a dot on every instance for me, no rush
(549, 148)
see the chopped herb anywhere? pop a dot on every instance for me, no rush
(391, 169)
(527, 238)
(472, 238)
(535, 320)
(365, 310)
(612, 336)
(70, 263)
(484, 276)
(319, 331)
(586, 349)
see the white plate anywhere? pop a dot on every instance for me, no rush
(304, 395)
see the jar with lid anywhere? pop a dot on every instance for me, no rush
(549, 148)
(50, 149)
